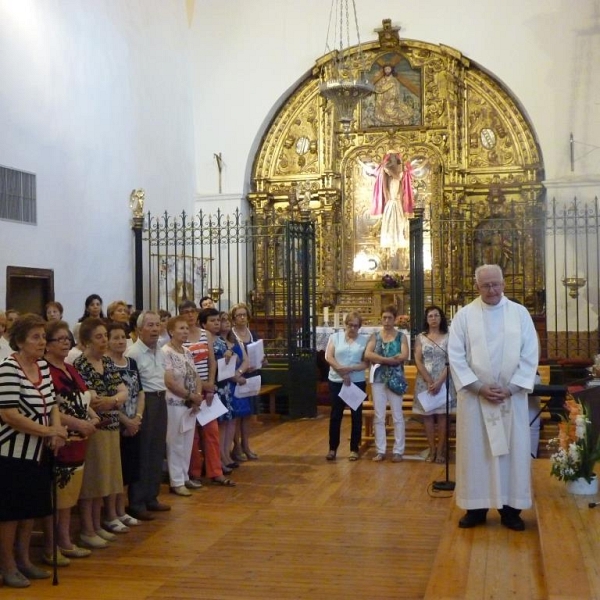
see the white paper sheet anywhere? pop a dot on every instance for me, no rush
(429, 402)
(210, 413)
(352, 395)
(256, 354)
(188, 420)
(225, 370)
(372, 370)
(250, 388)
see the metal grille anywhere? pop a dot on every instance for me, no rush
(17, 196)
(550, 259)
(188, 257)
(192, 256)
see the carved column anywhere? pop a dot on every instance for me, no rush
(331, 257)
(260, 203)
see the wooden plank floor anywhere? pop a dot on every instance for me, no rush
(569, 538)
(298, 527)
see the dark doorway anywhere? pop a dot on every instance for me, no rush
(28, 290)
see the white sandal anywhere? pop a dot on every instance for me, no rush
(115, 526)
(128, 520)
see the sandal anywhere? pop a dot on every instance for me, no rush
(224, 482)
(440, 459)
(353, 456)
(431, 456)
(115, 526)
(330, 455)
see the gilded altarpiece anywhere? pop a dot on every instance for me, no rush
(475, 172)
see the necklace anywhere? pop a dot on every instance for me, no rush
(246, 336)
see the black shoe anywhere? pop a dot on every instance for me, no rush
(473, 518)
(140, 514)
(510, 518)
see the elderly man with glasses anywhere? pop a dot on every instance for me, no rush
(493, 351)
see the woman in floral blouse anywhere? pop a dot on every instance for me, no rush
(184, 395)
(102, 476)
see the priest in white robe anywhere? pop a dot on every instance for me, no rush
(493, 352)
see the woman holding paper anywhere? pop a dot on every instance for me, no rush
(228, 349)
(345, 355)
(240, 316)
(431, 357)
(183, 399)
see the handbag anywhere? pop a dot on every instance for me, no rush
(393, 376)
(397, 381)
(72, 454)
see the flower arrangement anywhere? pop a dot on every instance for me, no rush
(391, 281)
(575, 453)
(402, 322)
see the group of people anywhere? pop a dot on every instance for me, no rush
(97, 415)
(350, 355)
(100, 417)
(492, 352)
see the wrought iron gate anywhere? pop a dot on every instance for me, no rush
(549, 254)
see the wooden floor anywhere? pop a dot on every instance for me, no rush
(298, 527)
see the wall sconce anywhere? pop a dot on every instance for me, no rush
(573, 284)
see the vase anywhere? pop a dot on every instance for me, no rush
(581, 487)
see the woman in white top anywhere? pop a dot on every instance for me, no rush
(345, 355)
(184, 394)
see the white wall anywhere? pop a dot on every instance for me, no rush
(247, 54)
(96, 100)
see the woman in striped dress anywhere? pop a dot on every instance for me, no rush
(29, 423)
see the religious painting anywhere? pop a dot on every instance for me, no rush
(384, 192)
(397, 98)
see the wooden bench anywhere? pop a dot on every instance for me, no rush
(270, 390)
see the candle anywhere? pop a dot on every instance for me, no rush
(326, 315)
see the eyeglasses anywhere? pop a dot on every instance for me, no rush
(490, 286)
(240, 315)
(188, 311)
(60, 340)
(353, 325)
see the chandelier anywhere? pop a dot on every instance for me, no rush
(345, 82)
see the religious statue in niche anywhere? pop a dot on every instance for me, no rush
(397, 97)
(496, 239)
(392, 200)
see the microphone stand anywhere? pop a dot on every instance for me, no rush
(446, 485)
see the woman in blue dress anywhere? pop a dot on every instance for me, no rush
(227, 346)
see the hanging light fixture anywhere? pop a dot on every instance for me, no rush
(343, 81)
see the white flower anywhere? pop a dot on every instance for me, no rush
(580, 425)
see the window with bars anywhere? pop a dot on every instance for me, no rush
(17, 196)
